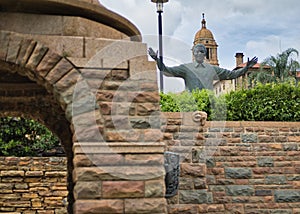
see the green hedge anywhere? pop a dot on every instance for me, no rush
(270, 102)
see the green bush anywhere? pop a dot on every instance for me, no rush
(202, 100)
(270, 102)
(22, 137)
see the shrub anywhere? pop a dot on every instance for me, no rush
(202, 100)
(269, 102)
(22, 137)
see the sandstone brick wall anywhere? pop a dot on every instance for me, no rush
(235, 167)
(112, 103)
(33, 185)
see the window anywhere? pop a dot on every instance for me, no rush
(207, 53)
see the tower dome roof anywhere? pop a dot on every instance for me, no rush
(203, 33)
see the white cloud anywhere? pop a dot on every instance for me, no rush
(270, 45)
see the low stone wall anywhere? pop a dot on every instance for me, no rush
(235, 167)
(31, 185)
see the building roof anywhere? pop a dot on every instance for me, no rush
(256, 66)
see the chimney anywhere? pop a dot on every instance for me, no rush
(239, 59)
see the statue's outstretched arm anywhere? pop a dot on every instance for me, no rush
(153, 54)
(252, 62)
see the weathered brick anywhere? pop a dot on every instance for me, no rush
(19, 203)
(291, 147)
(265, 161)
(26, 51)
(140, 159)
(105, 108)
(249, 138)
(55, 174)
(67, 81)
(123, 189)
(119, 74)
(186, 183)
(276, 179)
(152, 135)
(147, 109)
(6, 186)
(117, 172)
(88, 134)
(234, 208)
(290, 196)
(238, 173)
(88, 190)
(13, 50)
(12, 173)
(293, 138)
(99, 206)
(263, 192)
(145, 97)
(36, 56)
(154, 189)
(34, 173)
(36, 203)
(105, 96)
(47, 63)
(186, 208)
(196, 170)
(58, 71)
(4, 38)
(123, 136)
(239, 190)
(21, 186)
(194, 197)
(149, 205)
(265, 139)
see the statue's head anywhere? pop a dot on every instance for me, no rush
(199, 52)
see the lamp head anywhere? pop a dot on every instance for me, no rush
(159, 4)
(159, 1)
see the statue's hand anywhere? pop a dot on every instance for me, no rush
(252, 62)
(153, 54)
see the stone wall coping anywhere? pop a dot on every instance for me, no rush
(240, 124)
(262, 124)
(118, 147)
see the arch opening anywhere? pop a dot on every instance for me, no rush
(24, 97)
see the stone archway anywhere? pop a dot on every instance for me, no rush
(21, 97)
(32, 86)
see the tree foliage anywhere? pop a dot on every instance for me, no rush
(23, 137)
(283, 68)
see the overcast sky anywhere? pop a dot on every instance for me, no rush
(257, 28)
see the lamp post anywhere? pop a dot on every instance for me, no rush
(297, 76)
(159, 7)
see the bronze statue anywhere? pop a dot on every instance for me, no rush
(200, 74)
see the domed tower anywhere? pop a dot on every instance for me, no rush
(205, 37)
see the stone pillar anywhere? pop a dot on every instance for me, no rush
(118, 148)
